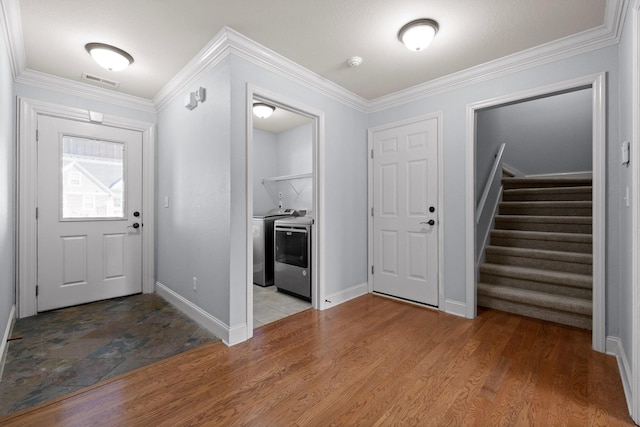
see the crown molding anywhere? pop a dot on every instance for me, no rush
(209, 56)
(12, 25)
(229, 41)
(254, 52)
(84, 90)
(586, 41)
(10, 17)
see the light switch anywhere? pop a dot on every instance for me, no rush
(166, 201)
(624, 153)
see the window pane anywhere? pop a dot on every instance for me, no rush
(92, 178)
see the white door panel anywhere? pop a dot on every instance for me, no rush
(89, 186)
(405, 188)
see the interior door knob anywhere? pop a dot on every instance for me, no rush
(430, 222)
(134, 225)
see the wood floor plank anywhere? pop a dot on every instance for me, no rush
(370, 361)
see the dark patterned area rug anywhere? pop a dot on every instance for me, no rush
(65, 350)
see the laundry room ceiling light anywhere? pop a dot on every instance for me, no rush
(417, 35)
(262, 110)
(109, 57)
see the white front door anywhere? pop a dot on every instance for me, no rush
(405, 211)
(89, 212)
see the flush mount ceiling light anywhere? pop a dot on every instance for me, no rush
(417, 35)
(109, 57)
(263, 110)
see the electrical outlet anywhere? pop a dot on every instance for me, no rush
(280, 195)
(195, 284)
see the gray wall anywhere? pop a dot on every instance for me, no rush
(295, 156)
(542, 136)
(202, 167)
(620, 219)
(265, 164)
(285, 153)
(453, 105)
(7, 189)
(193, 233)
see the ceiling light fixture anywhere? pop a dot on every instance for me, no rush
(262, 110)
(109, 57)
(417, 35)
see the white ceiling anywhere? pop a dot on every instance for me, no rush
(163, 35)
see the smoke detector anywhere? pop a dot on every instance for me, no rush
(354, 61)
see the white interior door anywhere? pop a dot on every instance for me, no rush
(405, 211)
(89, 212)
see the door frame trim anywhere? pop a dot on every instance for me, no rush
(318, 289)
(634, 398)
(27, 184)
(439, 115)
(597, 82)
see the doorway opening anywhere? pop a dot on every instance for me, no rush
(284, 209)
(596, 84)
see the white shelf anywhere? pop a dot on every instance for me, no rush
(287, 177)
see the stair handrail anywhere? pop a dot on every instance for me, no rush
(487, 186)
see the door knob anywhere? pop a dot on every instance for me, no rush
(134, 225)
(430, 222)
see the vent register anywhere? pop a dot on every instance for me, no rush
(101, 80)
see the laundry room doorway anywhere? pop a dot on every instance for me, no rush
(284, 215)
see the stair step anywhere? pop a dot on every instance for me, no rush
(566, 242)
(536, 280)
(564, 310)
(539, 261)
(539, 299)
(524, 182)
(581, 193)
(561, 278)
(569, 262)
(563, 208)
(554, 223)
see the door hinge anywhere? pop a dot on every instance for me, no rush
(371, 210)
(37, 290)
(372, 153)
(37, 135)
(37, 213)
(372, 270)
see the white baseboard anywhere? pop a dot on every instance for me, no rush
(344, 296)
(614, 348)
(230, 336)
(456, 308)
(5, 338)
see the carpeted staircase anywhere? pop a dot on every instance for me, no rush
(539, 261)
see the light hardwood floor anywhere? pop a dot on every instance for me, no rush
(372, 362)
